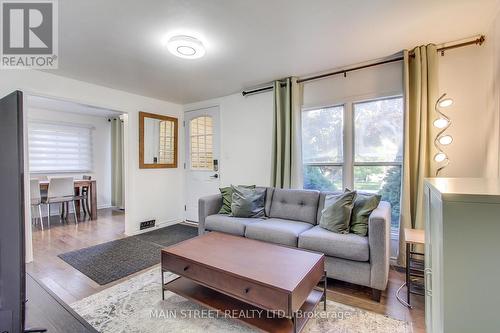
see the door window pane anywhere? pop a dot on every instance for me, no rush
(322, 135)
(323, 178)
(201, 143)
(384, 180)
(378, 129)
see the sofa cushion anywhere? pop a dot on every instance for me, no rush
(321, 201)
(227, 198)
(228, 224)
(346, 246)
(277, 231)
(248, 202)
(337, 213)
(364, 205)
(298, 205)
(269, 198)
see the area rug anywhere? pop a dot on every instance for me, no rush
(136, 306)
(111, 261)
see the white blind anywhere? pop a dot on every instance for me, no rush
(58, 147)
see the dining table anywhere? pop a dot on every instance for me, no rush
(78, 184)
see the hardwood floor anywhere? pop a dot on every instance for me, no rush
(71, 285)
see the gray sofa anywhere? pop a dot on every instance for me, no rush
(292, 218)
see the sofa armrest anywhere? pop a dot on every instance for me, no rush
(379, 231)
(208, 205)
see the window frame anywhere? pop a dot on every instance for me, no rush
(332, 164)
(349, 163)
(394, 232)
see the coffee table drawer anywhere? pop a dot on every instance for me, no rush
(257, 294)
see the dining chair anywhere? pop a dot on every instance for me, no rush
(36, 199)
(61, 190)
(85, 196)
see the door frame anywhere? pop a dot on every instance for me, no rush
(187, 151)
(27, 204)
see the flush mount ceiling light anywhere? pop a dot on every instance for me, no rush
(186, 47)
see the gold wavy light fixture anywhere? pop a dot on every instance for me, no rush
(442, 139)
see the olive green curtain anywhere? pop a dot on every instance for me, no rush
(117, 198)
(286, 154)
(420, 78)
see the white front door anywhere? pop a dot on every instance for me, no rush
(202, 128)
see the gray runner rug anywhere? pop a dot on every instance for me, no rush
(111, 261)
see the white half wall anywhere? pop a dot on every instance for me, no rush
(150, 193)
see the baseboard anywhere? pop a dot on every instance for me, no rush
(56, 210)
(190, 223)
(105, 206)
(157, 226)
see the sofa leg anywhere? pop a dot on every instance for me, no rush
(376, 295)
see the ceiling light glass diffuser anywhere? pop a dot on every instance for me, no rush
(446, 102)
(440, 157)
(445, 140)
(440, 123)
(186, 47)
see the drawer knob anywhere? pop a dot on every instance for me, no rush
(186, 268)
(247, 290)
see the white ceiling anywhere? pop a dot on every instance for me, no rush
(118, 43)
(53, 104)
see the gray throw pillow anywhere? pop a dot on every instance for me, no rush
(364, 205)
(227, 197)
(248, 202)
(337, 212)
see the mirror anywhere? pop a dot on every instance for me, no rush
(157, 141)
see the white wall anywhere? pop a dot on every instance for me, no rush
(101, 136)
(150, 193)
(493, 97)
(384, 80)
(464, 74)
(246, 122)
(246, 137)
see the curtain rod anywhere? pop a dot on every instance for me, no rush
(477, 41)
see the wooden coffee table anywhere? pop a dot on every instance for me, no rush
(270, 287)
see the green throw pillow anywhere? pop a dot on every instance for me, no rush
(227, 193)
(248, 202)
(337, 212)
(364, 205)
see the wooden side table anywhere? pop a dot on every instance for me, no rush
(414, 266)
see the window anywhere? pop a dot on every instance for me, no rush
(57, 147)
(201, 137)
(358, 145)
(378, 150)
(322, 148)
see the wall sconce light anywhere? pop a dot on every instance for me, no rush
(442, 139)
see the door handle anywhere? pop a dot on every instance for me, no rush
(428, 281)
(215, 176)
